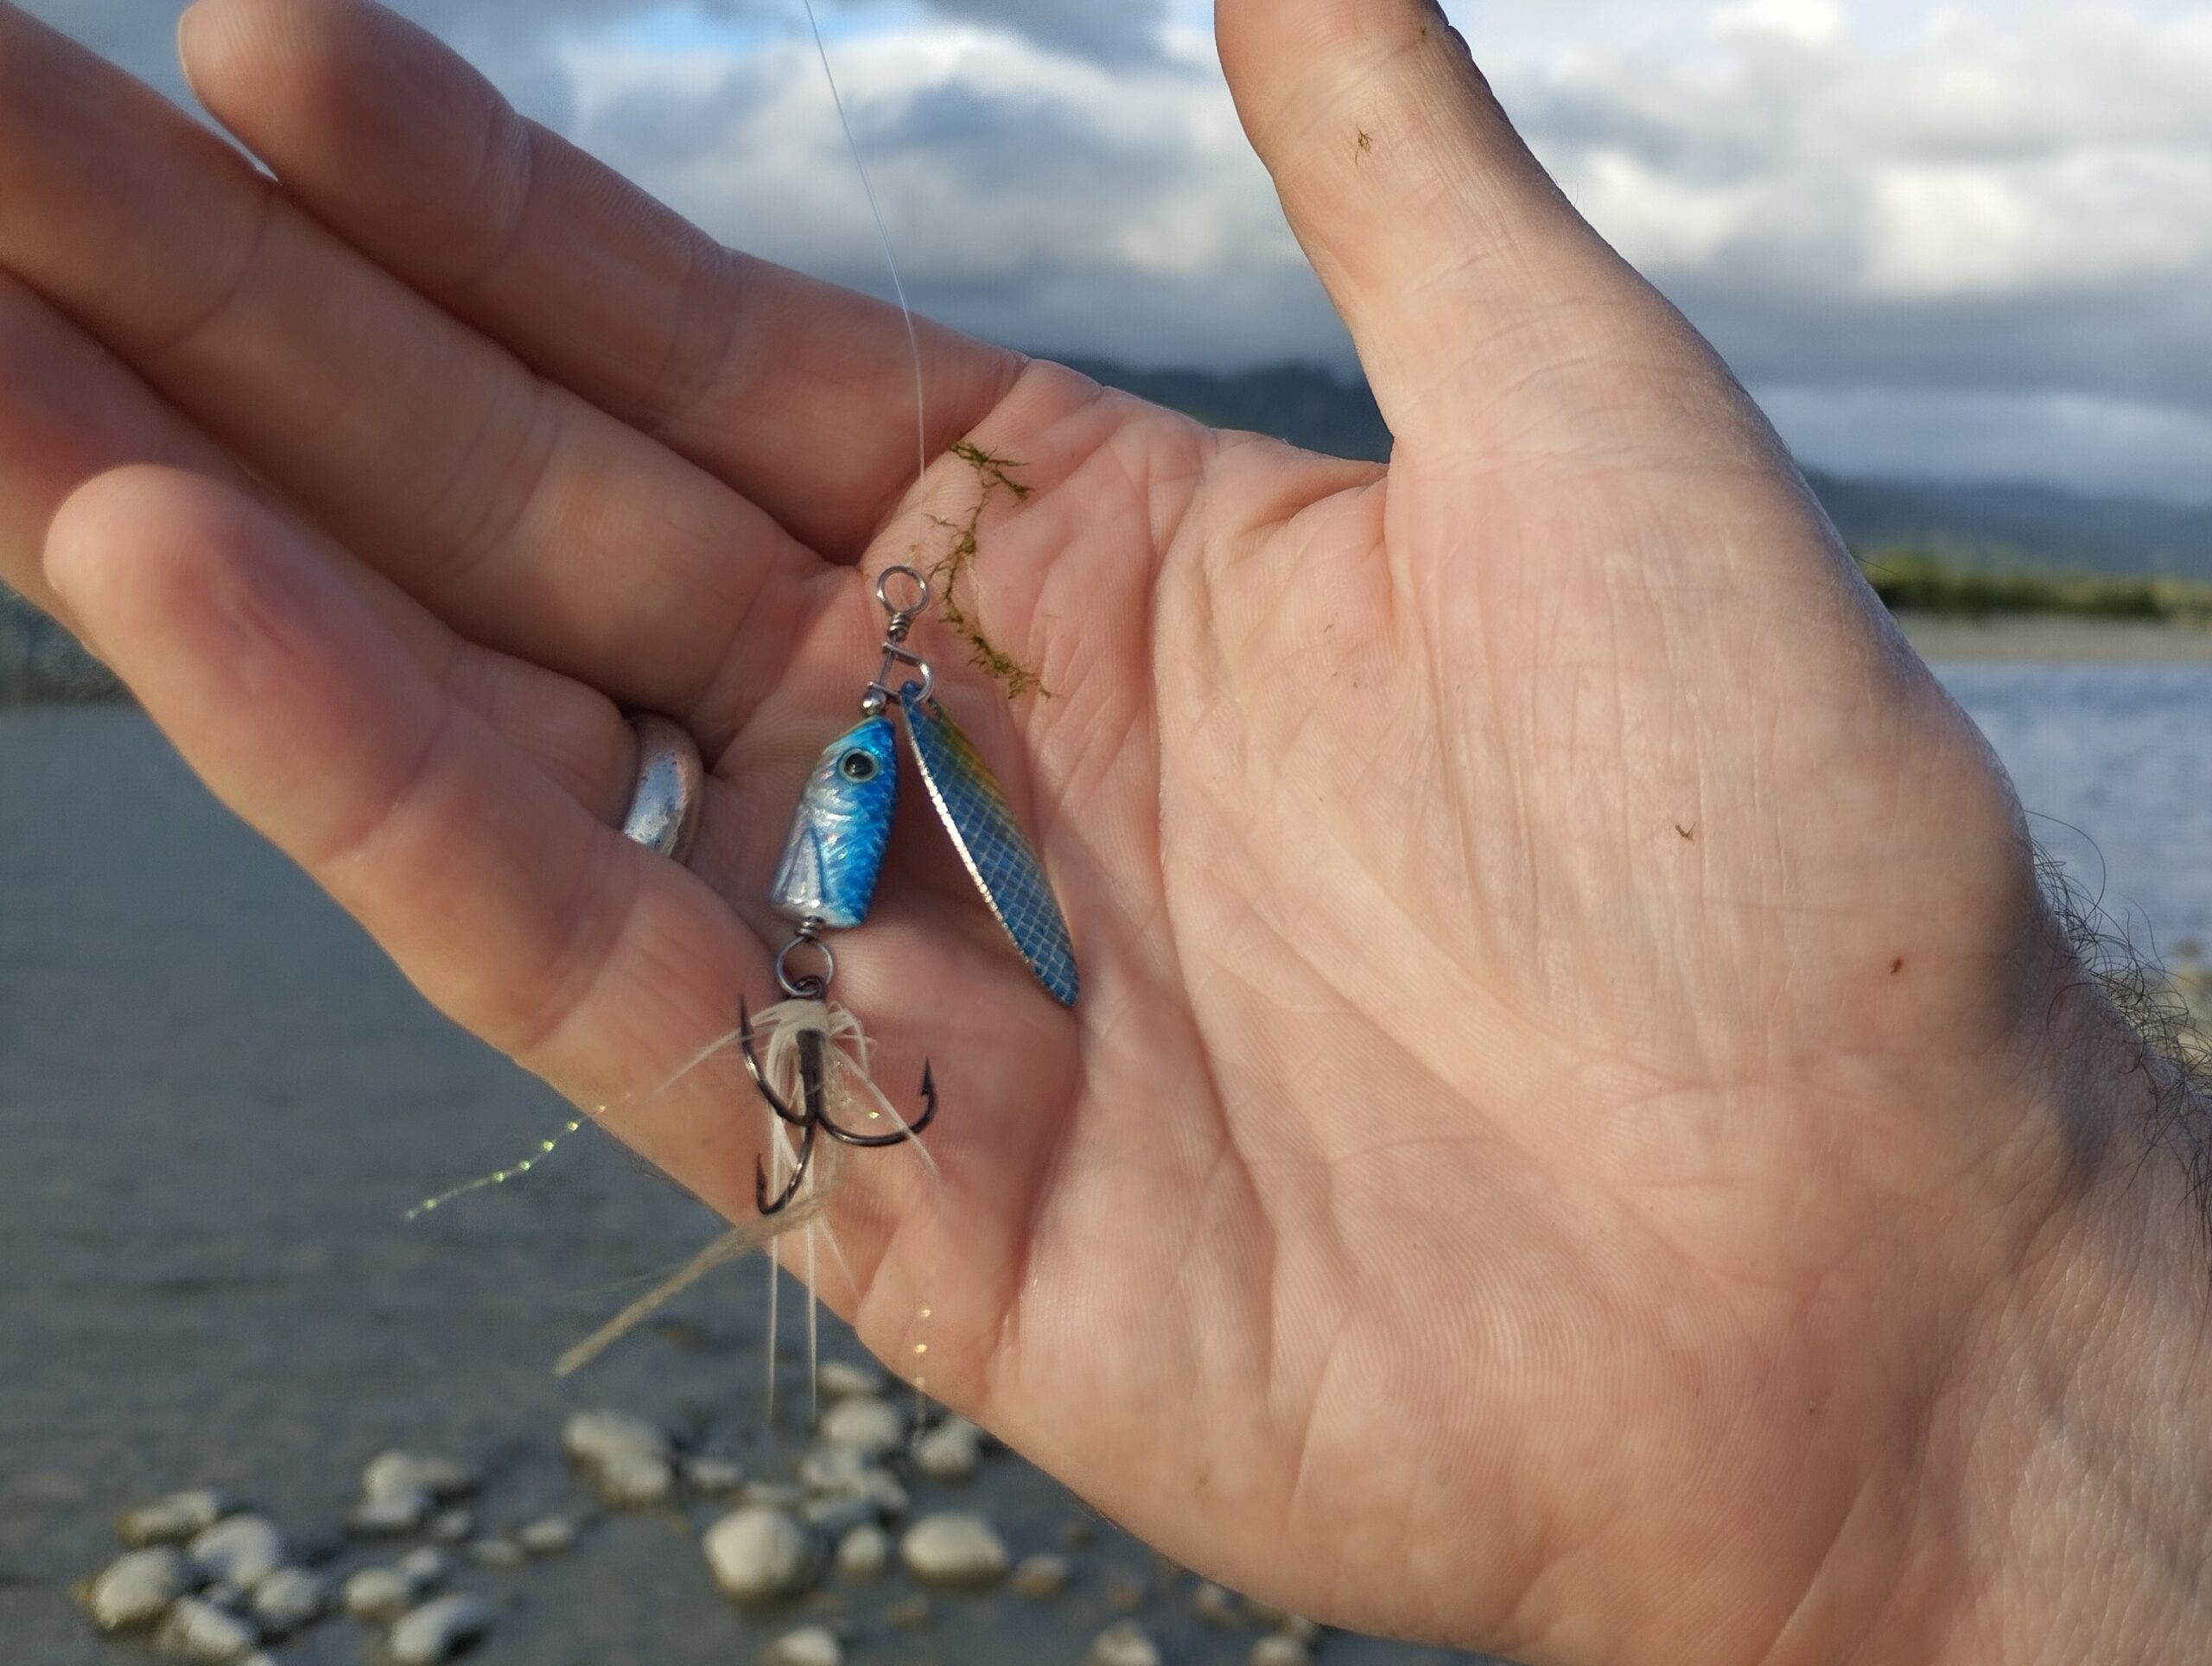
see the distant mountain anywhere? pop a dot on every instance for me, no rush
(1993, 526)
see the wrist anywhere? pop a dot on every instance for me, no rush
(2070, 1469)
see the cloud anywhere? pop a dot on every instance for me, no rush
(1110, 31)
(1920, 212)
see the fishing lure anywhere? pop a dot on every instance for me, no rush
(826, 881)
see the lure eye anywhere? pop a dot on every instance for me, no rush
(857, 766)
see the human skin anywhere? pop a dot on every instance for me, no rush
(1582, 1138)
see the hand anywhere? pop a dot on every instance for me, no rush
(1581, 1139)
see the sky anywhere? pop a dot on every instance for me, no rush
(1940, 239)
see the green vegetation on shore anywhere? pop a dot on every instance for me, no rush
(1917, 581)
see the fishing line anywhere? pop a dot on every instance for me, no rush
(882, 237)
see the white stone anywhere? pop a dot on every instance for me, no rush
(502, 1554)
(134, 1590)
(553, 1535)
(632, 1480)
(717, 1477)
(1277, 1649)
(841, 1378)
(443, 1479)
(1043, 1575)
(172, 1520)
(390, 1514)
(593, 1438)
(377, 1593)
(1215, 1605)
(1124, 1642)
(289, 1601)
(864, 1553)
(834, 1518)
(1298, 1629)
(758, 1555)
(847, 1473)
(809, 1645)
(424, 1569)
(950, 1451)
(865, 1424)
(955, 1548)
(438, 1631)
(199, 1632)
(453, 1526)
(241, 1551)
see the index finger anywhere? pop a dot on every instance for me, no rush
(796, 392)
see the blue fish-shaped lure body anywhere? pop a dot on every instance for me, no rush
(836, 849)
(990, 840)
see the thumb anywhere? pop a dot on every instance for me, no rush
(1481, 302)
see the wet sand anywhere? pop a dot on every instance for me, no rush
(219, 1102)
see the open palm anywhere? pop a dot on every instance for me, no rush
(1555, 964)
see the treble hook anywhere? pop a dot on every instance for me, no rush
(815, 1116)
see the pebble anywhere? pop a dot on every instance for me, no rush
(425, 1569)
(840, 1379)
(1216, 1606)
(1298, 1629)
(1078, 1535)
(717, 1477)
(834, 1518)
(553, 1536)
(633, 1480)
(1124, 1642)
(199, 1631)
(865, 1424)
(243, 1550)
(438, 1631)
(134, 1591)
(443, 1479)
(950, 1451)
(290, 1600)
(847, 1473)
(774, 1495)
(758, 1555)
(390, 1514)
(909, 1613)
(1043, 1575)
(180, 1516)
(501, 1553)
(1124, 1590)
(377, 1593)
(1276, 1649)
(955, 1548)
(809, 1645)
(864, 1553)
(454, 1526)
(596, 1438)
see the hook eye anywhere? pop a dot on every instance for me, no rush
(891, 605)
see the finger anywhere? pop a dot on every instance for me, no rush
(1479, 300)
(797, 393)
(70, 413)
(515, 911)
(531, 521)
